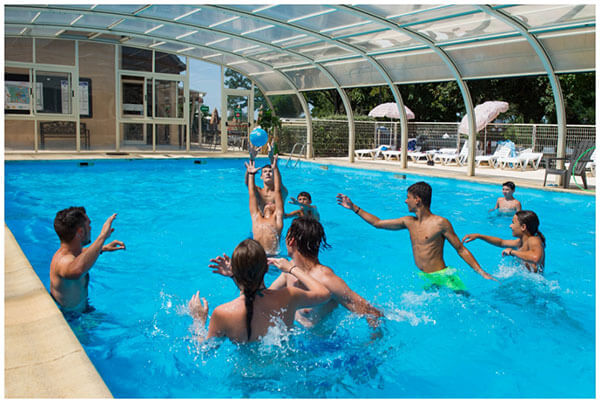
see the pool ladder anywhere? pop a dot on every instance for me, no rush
(300, 154)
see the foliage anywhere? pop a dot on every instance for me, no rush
(268, 121)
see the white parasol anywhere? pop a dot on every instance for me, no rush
(484, 114)
(390, 110)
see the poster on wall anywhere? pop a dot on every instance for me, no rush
(65, 96)
(16, 95)
(84, 94)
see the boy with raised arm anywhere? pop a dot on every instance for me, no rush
(427, 235)
(70, 265)
(266, 194)
(266, 224)
(304, 201)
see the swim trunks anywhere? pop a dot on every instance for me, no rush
(447, 277)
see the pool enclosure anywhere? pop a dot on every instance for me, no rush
(130, 63)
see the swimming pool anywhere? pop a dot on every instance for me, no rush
(528, 336)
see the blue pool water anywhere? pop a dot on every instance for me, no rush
(528, 336)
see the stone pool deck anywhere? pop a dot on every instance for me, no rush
(44, 359)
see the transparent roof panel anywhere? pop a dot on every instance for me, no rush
(536, 16)
(387, 11)
(203, 37)
(272, 34)
(278, 59)
(42, 31)
(463, 27)
(168, 12)
(367, 28)
(208, 17)
(172, 31)
(332, 20)
(323, 50)
(122, 9)
(273, 82)
(171, 47)
(55, 17)
(356, 72)
(243, 24)
(137, 25)
(96, 21)
(18, 15)
(378, 41)
(430, 15)
(295, 12)
(309, 78)
(12, 29)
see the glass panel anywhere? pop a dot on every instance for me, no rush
(18, 49)
(168, 102)
(571, 52)
(96, 21)
(170, 136)
(327, 21)
(272, 82)
(137, 25)
(126, 9)
(286, 11)
(169, 63)
(323, 50)
(272, 34)
(279, 59)
(393, 10)
(137, 134)
(170, 11)
(56, 17)
(463, 27)
(55, 51)
(52, 92)
(308, 78)
(132, 93)
(386, 39)
(136, 59)
(60, 135)
(237, 122)
(17, 91)
(206, 17)
(18, 135)
(356, 30)
(18, 15)
(432, 14)
(172, 31)
(411, 67)
(39, 31)
(355, 73)
(536, 16)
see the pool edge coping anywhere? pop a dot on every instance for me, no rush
(43, 357)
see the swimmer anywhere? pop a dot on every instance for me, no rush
(249, 316)
(70, 265)
(427, 235)
(304, 239)
(508, 203)
(306, 209)
(266, 194)
(530, 245)
(267, 225)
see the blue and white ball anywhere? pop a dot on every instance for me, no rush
(258, 137)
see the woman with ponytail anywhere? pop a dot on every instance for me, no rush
(530, 245)
(249, 316)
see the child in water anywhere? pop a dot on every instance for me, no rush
(507, 203)
(306, 208)
(530, 245)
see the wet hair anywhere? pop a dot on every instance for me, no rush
(422, 190)
(267, 166)
(531, 222)
(68, 221)
(309, 236)
(307, 195)
(249, 265)
(510, 185)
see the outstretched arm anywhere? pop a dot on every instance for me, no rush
(492, 240)
(277, 187)
(534, 255)
(394, 224)
(462, 251)
(80, 265)
(351, 300)
(253, 201)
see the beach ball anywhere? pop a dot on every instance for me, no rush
(258, 137)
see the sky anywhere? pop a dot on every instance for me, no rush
(206, 77)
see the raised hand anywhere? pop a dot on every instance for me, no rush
(250, 168)
(253, 151)
(293, 200)
(222, 265)
(107, 227)
(198, 309)
(345, 201)
(470, 237)
(281, 263)
(113, 245)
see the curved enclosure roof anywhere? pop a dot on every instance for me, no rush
(290, 47)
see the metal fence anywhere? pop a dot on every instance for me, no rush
(330, 137)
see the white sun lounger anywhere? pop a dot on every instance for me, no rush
(370, 152)
(502, 151)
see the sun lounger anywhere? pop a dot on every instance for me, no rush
(370, 152)
(502, 151)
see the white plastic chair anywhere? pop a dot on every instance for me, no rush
(502, 151)
(370, 152)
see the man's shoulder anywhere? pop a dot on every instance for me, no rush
(60, 261)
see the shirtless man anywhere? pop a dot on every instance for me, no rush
(69, 277)
(304, 239)
(427, 235)
(306, 207)
(267, 225)
(507, 203)
(530, 245)
(266, 194)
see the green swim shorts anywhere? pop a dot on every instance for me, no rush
(447, 277)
